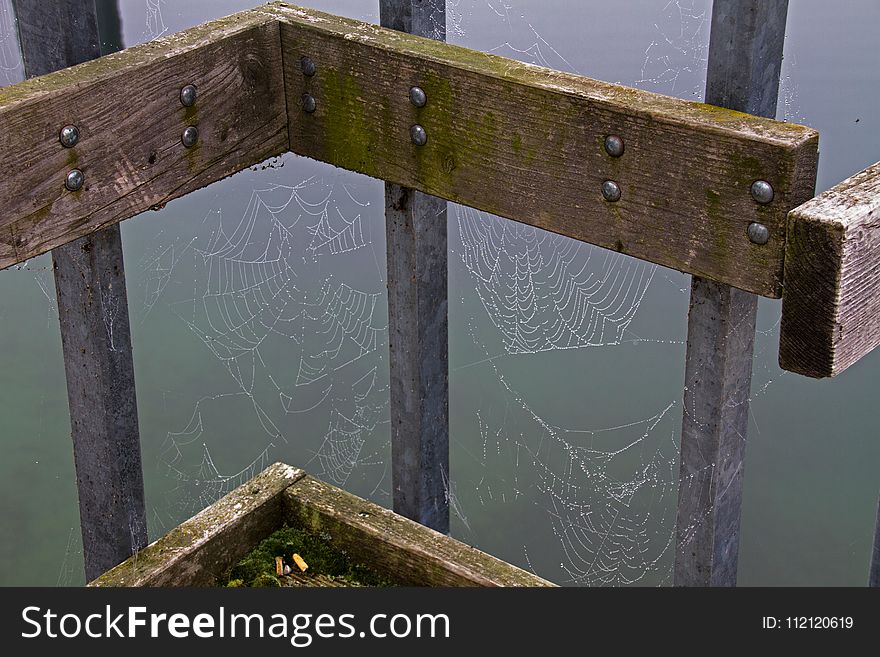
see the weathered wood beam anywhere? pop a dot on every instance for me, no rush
(745, 58)
(509, 138)
(831, 301)
(130, 118)
(199, 550)
(527, 143)
(418, 322)
(95, 331)
(99, 368)
(405, 551)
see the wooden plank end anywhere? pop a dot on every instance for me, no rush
(831, 297)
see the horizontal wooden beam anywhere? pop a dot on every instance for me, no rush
(392, 545)
(127, 109)
(527, 143)
(831, 302)
(513, 139)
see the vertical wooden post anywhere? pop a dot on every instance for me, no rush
(874, 575)
(93, 312)
(417, 318)
(745, 58)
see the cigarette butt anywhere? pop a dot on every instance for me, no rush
(299, 561)
(286, 569)
(279, 566)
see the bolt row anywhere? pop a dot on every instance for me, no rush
(761, 190)
(69, 137)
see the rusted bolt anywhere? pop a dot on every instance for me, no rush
(758, 233)
(418, 135)
(74, 180)
(762, 192)
(69, 136)
(418, 97)
(188, 96)
(611, 191)
(614, 145)
(190, 136)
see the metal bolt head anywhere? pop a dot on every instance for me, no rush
(309, 103)
(188, 96)
(190, 136)
(758, 233)
(69, 136)
(611, 191)
(74, 180)
(614, 145)
(308, 67)
(762, 192)
(418, 97)
(418, 135)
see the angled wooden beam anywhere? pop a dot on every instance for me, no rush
(405, 551)
(195, 552)
(745, 58)
(528, 143)
(127, 109)
(502, 136)
(418, 322)
(831, 302)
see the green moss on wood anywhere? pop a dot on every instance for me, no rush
(347, 135)
(257, 569)
(643, 103)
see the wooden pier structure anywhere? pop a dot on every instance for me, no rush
(719, 190)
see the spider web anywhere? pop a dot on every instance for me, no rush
(291, 339)
(301, 344)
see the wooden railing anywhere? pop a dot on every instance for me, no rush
(708, 190)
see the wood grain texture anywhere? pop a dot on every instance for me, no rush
(718, 377)
(198, 551)
(745, 58)
(526, 143)
(394, 546)
(418, 320)
(130, 118)
(93, 318)
(831, 302)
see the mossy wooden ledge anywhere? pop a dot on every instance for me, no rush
(200, 551)
(127, 109)
(196, 552)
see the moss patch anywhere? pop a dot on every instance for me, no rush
(257, 569)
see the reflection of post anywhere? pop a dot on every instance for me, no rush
(745, 58)
(93, 312)
(417, 312)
